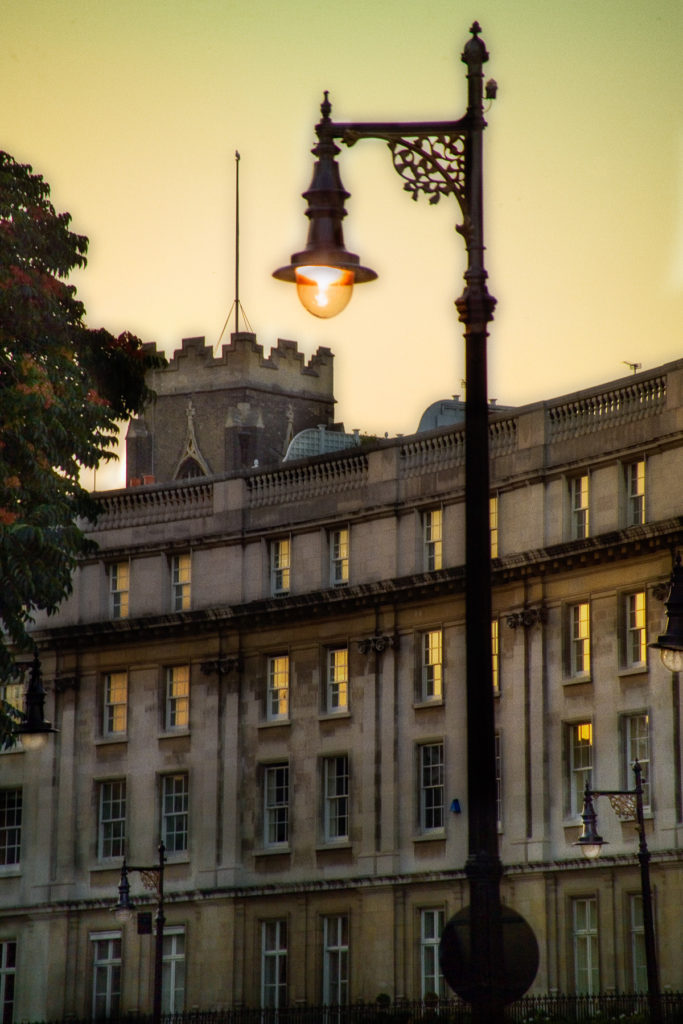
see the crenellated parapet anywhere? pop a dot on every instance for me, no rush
(227, 412)
(242, 363)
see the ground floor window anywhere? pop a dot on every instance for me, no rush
(585, 936)
(336, 960)
(106, 987)
(431, 978)
(173, 971)
(8, 964)
(274, 964)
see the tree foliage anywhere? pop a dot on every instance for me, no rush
(63, 389)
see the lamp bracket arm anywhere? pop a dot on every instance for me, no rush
(429, 156)
(151, 877)
(624, 802)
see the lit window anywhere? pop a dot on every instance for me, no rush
(495, 655)
(499, 781)
(180, 583)
(119, 582)
(339, 557)
(112, 819)
(432, 667)
(580, 764)
(635, 630)
(173, 971)
(431, 534)
(115, 703)
(431, 787)
(8, 968)
(276, 804)
(635, 492)
(10, 826)
(12, 699)
(106, 988)
(175, 799)
(337, 680)
(493, 526)
(177, 697)
(586, 953)
(579, 639)
(277, 701)
(637, 748)
(336, 798)
(279, 566)
(637, 943)
(274, 964)
(336, 960)
(431, 978)
(578, 507)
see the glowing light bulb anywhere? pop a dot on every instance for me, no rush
(324, 291)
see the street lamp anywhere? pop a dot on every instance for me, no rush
(34, 731)
(152, 879)
(670, 643)
(627, 803)
(436, 159)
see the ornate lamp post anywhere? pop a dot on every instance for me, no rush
(34, 731)
(438, 158)
(152, 879)
(627, 803)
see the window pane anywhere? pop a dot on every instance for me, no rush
(10, 826)
(431, 786)
(432, 673)
(278, 687)
(175, 801)
(338, 679)
(178, 697)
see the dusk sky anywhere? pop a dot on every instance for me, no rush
(133, 111)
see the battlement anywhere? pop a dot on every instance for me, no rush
(242, 363)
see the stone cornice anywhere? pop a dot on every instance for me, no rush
(323, 604)
(660, 858)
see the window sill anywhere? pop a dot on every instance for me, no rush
(430, 702)
(641, 669)
(333, 844)
(274, 723)
(273, 851)
(106, 864)
(439, 834)
(330, 716)
(577, 680)
(172, 734)
(10, 871)
(179, 857)
(103, 741)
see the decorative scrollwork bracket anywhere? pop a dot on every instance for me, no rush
(378, 644)
(526, 618)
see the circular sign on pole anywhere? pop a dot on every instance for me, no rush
(520, 955)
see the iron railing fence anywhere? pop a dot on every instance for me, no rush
(543, 1009)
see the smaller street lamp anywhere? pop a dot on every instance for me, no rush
(670, 643)
(627, 803)
(152, 879)
(34, 731)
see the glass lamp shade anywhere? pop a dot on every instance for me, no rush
(672, 659)
(324, 291)
(123, 914)
(591, 850)
(34, 740)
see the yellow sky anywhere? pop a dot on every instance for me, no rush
(133, 111)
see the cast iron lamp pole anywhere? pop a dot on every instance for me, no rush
(626, 802)
(437, 159)
(153, 879)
